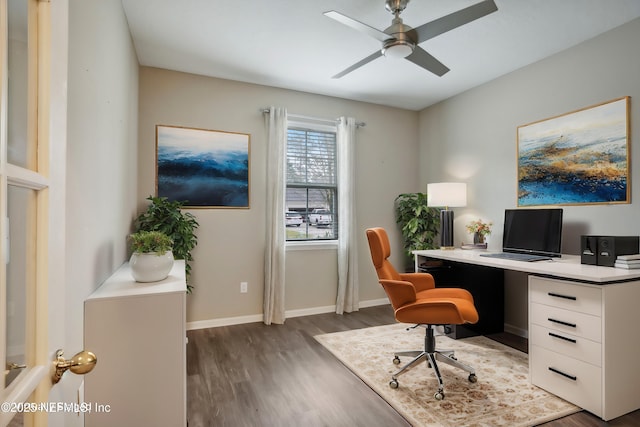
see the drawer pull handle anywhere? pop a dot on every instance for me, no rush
(551, 294)
(560, 322)
(559, 372)
(551, 334)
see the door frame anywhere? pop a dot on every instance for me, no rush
(46, 123)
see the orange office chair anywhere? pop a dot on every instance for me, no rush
(415, 299)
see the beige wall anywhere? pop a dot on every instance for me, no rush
(101, 146)
(231, 241)
(472, 138)
(101, 179)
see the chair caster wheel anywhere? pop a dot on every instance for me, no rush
(393, 384)
(473, 378)
(396, 360)
(439, 395)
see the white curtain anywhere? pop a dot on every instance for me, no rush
(274, 263)
(348, 296)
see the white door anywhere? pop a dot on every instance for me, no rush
(27, 207)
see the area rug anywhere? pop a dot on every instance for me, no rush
(502, 396)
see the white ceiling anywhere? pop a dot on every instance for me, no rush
(291, 44)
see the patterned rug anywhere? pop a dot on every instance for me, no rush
(502, 396)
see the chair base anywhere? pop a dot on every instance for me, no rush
(431, 356)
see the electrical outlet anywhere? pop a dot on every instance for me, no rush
(243, 287)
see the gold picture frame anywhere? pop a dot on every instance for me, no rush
(203, 168)
(577, 158)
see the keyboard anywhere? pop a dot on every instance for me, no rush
(517, 257)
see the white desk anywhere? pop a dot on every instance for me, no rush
(583, 328)
(566, 267)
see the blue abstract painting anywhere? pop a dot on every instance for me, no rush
(577, 158)
(203, 168)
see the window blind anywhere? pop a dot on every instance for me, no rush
(311, 158)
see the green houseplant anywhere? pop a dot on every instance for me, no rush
(167, 217)
(150, 242)
(152, 258)
(418, 222)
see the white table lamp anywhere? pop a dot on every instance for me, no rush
(446, 195)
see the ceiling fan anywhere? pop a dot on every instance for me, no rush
(401, 41)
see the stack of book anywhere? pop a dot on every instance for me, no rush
(628, 261)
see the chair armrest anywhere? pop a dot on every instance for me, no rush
(399, 292)
(448, 293)
(422, 281)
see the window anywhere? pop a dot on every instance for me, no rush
(312, 189)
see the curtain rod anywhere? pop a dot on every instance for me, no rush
(316, 119)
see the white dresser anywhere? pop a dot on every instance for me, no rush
(138, 333)
(584, 343)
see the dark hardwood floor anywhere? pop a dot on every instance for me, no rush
(257, 375)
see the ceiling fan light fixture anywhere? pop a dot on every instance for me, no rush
(397, 49)
(402, 41)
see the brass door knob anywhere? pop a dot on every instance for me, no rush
(82, 363)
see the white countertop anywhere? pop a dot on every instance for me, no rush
(567, 267)
(122, 284)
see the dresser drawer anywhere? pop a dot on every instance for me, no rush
(573, 380)
(570, 296)
(571, 322)
(566, 344)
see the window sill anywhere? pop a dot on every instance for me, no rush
(310, 245)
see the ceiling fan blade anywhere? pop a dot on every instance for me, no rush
(425, 60)
(359, 64)
(357, 25)
(454, 20)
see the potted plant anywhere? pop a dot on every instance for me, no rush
(479, 230)
(152, 258)
(418, 222)
(167, 217)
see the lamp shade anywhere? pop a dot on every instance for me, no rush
(447, 194)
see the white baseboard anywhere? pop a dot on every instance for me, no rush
(225, 321)
(310, 311)
(374, 302)
(516, 331)
(252, 318)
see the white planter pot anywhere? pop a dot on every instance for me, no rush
(150, 267)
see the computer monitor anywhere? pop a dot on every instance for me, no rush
(533, 231)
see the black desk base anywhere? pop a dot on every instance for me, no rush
(486, 284)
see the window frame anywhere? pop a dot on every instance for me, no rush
(314, 243)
